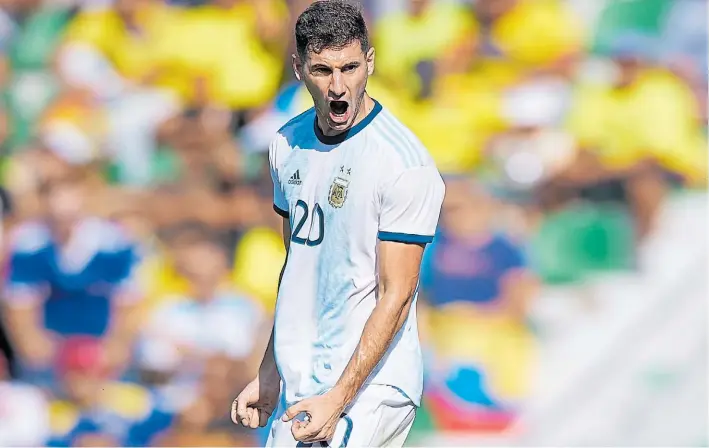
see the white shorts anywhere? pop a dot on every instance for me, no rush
(380, 416)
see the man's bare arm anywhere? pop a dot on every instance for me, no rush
(399, 266)
(268, 364)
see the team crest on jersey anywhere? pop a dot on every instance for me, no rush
(338, 192)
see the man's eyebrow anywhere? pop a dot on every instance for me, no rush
(319, 65)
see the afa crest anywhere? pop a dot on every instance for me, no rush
(338, 192)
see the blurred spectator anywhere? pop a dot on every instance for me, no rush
(24, 412)
(119, 53)
(31, 32)
(129, 35)
(685, 45)
(70, 273)
(534, 148)
(204, 420)
(228, 40)
(25, 172)
(539, 35)
(637, 131)
(478, 289)
(258, 260)
(210, 318)
(463, 96)
(93, 410)
(408, 41)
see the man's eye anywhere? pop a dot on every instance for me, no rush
(349, 68)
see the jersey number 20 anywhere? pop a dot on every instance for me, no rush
(317, 219)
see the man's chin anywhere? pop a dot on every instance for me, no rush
(339, 126)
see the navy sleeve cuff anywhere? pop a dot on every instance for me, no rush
(283, 213)
(405, 237)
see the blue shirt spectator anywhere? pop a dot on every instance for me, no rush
(93, 406)
(75, 283)
(454, 271)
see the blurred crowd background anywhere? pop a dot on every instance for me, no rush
(562, 301)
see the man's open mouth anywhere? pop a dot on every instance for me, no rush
(339, 108)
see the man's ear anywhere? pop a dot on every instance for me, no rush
(297, 67)
(370, 61)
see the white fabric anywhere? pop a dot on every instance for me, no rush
(379, 183)
(380, 416)
(24, 415)
(407, 202)
(180, 328)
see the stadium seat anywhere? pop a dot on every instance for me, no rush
(576, 241)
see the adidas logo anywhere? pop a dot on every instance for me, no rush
(295, 178)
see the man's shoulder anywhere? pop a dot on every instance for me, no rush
(297, 125)
(397, 143)
(296, 132)
(110, 237)
(30, 237)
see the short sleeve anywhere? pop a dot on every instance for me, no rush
(514, 256)
(128, 289)
(27, 280)
(28, 275)
(411, 205)
(279, 199)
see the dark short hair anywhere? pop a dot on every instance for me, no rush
(330, 24)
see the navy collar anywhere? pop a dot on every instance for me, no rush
(349, 133)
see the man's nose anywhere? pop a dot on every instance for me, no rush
(337, 86)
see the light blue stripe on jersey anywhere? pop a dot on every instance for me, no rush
(296, 119)
(395, 138)
(404, 134)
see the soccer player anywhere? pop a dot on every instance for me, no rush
(360, 197)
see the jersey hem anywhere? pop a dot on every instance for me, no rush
(405, 237)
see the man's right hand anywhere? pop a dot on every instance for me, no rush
(255, 404)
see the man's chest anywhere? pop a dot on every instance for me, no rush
(327, 193)
(332, 182)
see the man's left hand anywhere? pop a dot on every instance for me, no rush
(323, 411)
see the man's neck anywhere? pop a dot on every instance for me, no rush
(364, 110)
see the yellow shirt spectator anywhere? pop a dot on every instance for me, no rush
(137, 55)
(655, 117)
(463, 113)
(159, 281)
(222, 48)
(258, 262)
(403, 40)
(538, 32)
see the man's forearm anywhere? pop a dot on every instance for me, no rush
(268, 363)
(382, 326)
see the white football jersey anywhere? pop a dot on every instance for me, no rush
(342, 194)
